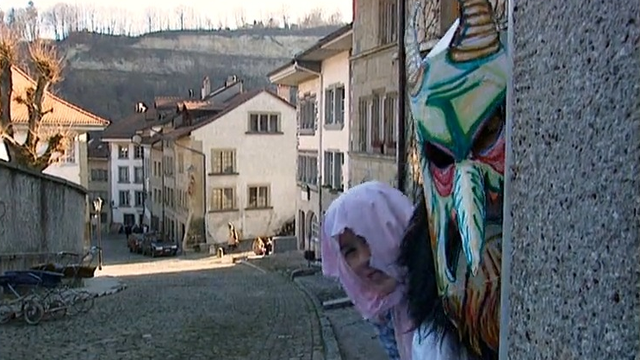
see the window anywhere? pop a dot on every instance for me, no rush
(138, 152)
(376, 123)
(180, 163)
(99, 175)
(138, 175)
(264, 123)
(223, 161)
(307, 114)
(390, 121)
(377, 120)
(123, 174)
(364, 111)
(333, 162)
(124, 198)
(222, 199)
(387, 21)
(139, 198)
(334, 106)
(69, 155)
(123, 152)
(308, 169)
(168, 165)
(258, 197)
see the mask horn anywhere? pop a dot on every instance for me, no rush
(477, 34)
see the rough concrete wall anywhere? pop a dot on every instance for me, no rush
(39, 215)
(574, 182)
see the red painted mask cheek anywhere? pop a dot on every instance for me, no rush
(442, 179)
(494, 156)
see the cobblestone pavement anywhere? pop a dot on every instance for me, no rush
(357, 339)
(177, 309)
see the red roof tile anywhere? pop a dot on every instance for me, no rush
(64, 113)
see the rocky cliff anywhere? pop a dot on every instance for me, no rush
(109, 74)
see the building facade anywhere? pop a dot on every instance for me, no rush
(374, 92)
(250, 162)
(99, 183)
(321, 75)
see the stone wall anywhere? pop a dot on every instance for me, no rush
(573, 185)
(39, 216)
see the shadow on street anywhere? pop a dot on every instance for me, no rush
(173, 311)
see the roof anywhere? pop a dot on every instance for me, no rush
(127, 127)
(165, 102)
(230, 105)
(63, 113)
(318, 51)
(201, 105)
(97, 149)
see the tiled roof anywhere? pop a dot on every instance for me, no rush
(63, 114)
(230, 105)
(201, 105)
(127, 127)
(164, 102)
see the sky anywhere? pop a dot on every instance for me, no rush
(215, 9)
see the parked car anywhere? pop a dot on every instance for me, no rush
(134, 243)
(156, 246)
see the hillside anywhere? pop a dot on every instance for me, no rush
(109, 74)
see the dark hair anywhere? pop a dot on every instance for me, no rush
(424, 302)
(416, 256)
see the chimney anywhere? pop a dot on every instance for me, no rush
(141, 107)
(206, 87)
(190, 93)
(284, 91)
(354, 5)
(230, 80)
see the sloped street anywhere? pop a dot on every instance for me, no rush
(175, 308)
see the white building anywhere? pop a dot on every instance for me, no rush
(322, 77)
(250, 150)
(127, 180)
(64, 118)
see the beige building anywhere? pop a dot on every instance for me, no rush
(374, 92)
(99, 182)
(227, 157)
(321, 76)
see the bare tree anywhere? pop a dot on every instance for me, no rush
(29, 154)
(181, 12)
(284, 14)
(241, 18)
(314, 18)
(31, 26)
(335, 18)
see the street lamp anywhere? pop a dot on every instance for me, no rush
(97, 206)
(137, 140)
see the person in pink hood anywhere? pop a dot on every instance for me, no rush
(361, 235)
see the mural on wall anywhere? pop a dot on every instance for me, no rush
(456, 96)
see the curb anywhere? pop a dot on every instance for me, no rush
(329, 342)
(331, 349)
(110, 291)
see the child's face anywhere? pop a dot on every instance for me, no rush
(356, 253)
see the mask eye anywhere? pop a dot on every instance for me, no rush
(490, 132)
(437, 157)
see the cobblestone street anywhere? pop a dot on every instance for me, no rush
(175, 308)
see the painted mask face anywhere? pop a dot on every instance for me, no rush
(457, 99)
